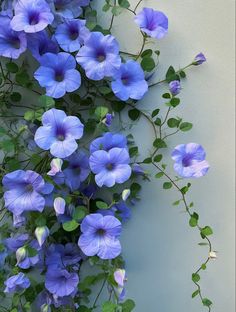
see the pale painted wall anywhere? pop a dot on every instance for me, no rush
(160, 248)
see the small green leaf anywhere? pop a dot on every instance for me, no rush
(166, 95)
(174, 102)
(70, 226)
(171, 74)
(159, 175)
(167, 185)
(124, 3)
(128, 305)
(148, 64)
(133, 151)
(173, 122)
(116, 10)
(193, 220)
(134, 113)
(31, 251)
(106, 7)
(206, 231)
(79, 213)
(159, 143)
(185, 126)
(195, 277)
(157, 121)
(12, 67)
(101, 205)
(109, 306)
(101, 112)
(155, 112)
(195, 293)
(46, 101)
(147, 53)
(158, 158)
(206, 302)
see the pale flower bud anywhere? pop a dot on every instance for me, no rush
(125, 194)
(41, 233)
(21, 254)
(59, 205)
(56, 165)
(213, 255)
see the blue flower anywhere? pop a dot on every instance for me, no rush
(108, 119)
(24, 191)
(71, 34)
(100, 236)
(77, 170)
(31, 16)
(120, 278)
(190, 160)
(110, 167)
(40, 44)
(60, 282)
(67, 8)
(12, 43)
(175, 87)
(28, 260)
(99, 56)
(153, 23)
(15, 242)
(122, 210)
(108, 141)
(59, 133)
(199, 59)
(57, 74)
(129, 81)
(16, 283)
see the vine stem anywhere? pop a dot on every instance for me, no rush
(136, 7)
(112, 18)
(99, 293)
(199, 228)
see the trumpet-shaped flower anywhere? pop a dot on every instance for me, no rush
(57, 74)
(190, 160)
(108, 141)
(16, 283)
(24, 191)
(153, 23)
(40, 44)
(100, 236)
(110, 167)
(59, 133)
(60, 282)
(12, 43)
(129, 81)
(67, 8)
(71, 34)
(31, 16)
(99, 56)
(77, 170)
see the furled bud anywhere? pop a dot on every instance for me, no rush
(56, 165)
(41, 233)
(59, 205)
(21, 254)
(125, 194)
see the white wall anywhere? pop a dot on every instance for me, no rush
(160, 248)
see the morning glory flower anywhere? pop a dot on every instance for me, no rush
(67, 8)
(15, 242)
(129, 81)
(77, 170)
(12, 43)
(27, 260)
(199, 59)
(108, 141)
(99, 56)
(110, 167)
(175, 87)
(31, 16)
(57, 74)
(190, 160)
(100, 236)
(153, 23)
(122, 210)
(71, 34)
(59, 133)
(40, 44)
(24, 191)
(60, 256)
(60, 282)
(16, 283)
(18, 220)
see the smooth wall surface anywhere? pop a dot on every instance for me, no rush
(160, 248)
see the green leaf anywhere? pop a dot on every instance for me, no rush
(83, 309)
(182, 74)
(117, 10)
(155, 112)
(104, 90)
(70, 226)
(167, 185)
(7, 146)
(15, 97)
(147, 53)
(173, 122)
(206, 231)
(12, 67)
(79, 213)
(134, 114)
(46, 101)
(22, 78)
(194, 220)
(106, 7)
(158, 158)
(101, 205)
(157, 121)
(195, 277)
(206, 302)
(159, 143)
(124, 3)
(147, 160)
(166, 95)
(101, 112)
(31, 251)
(109, 306)
(171, 74)
(159, 175)
(133, 151)
(195, 293)
(174, 102)
(128, 305)
(148, 64)
(185, 126)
